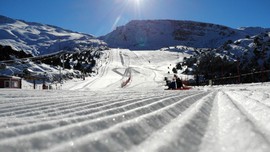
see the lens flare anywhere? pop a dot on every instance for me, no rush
(131, 7)
(138, 2)
(116, 22)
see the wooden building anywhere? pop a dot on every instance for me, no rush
(10, 82)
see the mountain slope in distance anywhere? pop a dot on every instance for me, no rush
(155, 34)
(39, 39)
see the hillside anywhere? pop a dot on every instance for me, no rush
(39, 39)
(155, 34)
(248, 57)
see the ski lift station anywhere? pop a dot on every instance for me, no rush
(10, 82)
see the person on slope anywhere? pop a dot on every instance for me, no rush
(172, 84)
(168, 82)
(179, 83)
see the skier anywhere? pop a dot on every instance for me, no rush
(173, 84)
(179, 82)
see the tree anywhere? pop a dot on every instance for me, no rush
(256, 53)
(93, 63)
(257, 41)
(178, 66)
(67, 65)
(174, 70)
(78, 66)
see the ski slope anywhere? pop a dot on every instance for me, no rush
(99, 115)
(117, 65)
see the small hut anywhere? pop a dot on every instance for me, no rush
(10, 82)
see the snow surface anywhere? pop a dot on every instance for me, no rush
(97, 114)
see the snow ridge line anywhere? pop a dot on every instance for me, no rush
(48, 101)
(96, 108)
(255, 100)
(250, 119)
(76, 129)
(53, 111)
(90, 109)
(8, 102)
(123, 136)
(43, 103)
(51, 124)
(83, 117)
(41, 99)
(185, 133)
(62, 104)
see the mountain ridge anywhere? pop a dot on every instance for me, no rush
(39, 39)
(155, 34)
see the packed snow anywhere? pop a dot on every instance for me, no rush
(100, 114)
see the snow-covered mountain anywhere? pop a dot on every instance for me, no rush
(40, 39)
(248, 56)
(155, 34)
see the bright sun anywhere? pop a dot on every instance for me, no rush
(136, 2)
(137, 6)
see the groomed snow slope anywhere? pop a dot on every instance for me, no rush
(146, 69)
(235, 119)
(101, 116)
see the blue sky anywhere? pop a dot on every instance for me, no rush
(99, 17)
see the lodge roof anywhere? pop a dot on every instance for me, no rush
(9, 77)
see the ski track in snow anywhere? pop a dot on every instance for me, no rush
(135, 118)
(198, 120)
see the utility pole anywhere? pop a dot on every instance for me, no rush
(238, 70)
(62, 59)
(60, 72)
(263, 58)
(60, 79)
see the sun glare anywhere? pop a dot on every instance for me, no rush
(131, 7)
(137, 3)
